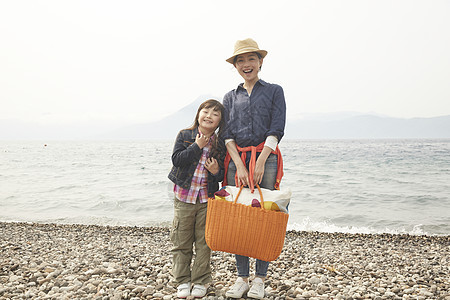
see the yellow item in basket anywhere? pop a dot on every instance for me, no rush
(271, 205)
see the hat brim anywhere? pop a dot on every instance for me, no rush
(262, 52)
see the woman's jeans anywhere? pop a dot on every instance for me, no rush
(268, 182)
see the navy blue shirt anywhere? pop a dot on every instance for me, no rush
(251, 119)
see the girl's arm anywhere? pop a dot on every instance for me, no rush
(184, 153)
(241, 170)
(219, 172)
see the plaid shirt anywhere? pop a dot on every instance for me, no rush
(199, 182)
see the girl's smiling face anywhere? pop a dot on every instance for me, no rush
(248, 65)
(208, 120)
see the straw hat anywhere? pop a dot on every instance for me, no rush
(246, 46)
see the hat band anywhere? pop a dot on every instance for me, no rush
(247, 49)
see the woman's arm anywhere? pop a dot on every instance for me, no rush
(241, 170)
(227, 104)
(278, 114)
(276, 132)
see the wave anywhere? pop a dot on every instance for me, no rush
(324, 226)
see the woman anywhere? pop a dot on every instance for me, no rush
(255, 114)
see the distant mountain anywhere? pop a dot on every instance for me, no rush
(341, 125)
(370, 127)
(166, 128)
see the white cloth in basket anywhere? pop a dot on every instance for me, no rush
(274, 200)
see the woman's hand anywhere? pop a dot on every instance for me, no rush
(201, 140)
(259, 166)
(212, 166)
(242, 175)
(241, 170)
(259, 171)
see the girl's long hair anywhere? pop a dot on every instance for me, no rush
(216, 106)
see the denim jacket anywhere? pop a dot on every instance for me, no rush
(252, 118)
(185, 157)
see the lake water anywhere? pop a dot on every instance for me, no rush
(355, 186)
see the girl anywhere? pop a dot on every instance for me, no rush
(255, 114)
(197, 159)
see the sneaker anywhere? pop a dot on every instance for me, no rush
(237, 289)
(198, 291)
(184, 290)
(257, 289)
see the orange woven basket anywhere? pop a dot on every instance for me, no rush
(249, 231)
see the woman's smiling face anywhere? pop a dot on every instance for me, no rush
(248, 65)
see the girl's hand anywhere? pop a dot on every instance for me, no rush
(201, 140)
(212, 166)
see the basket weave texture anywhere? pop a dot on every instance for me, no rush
(245, 230)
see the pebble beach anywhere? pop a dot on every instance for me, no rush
(49, 261)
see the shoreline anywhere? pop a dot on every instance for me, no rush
(65, 261)
(294, 227)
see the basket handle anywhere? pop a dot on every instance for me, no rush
(260, 195)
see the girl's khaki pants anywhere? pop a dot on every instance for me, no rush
(188, 230)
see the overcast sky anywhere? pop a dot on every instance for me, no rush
(136, 61)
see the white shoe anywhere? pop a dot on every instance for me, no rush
(237, 289)
(198, 291)
(184, 290)
(257, 289)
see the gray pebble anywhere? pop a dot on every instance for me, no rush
(105, 262)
